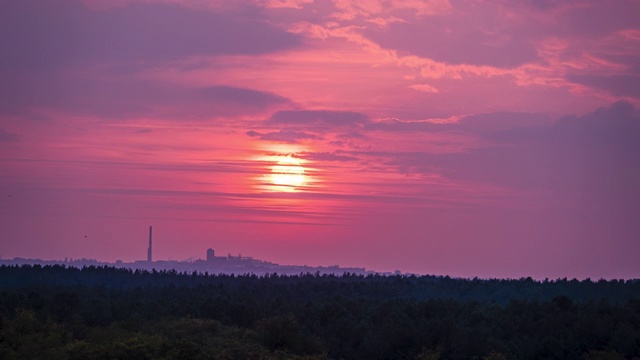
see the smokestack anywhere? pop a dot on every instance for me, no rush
(149, 257)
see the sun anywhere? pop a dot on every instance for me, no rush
(287, 174)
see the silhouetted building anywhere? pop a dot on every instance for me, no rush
(149, 251)
(211, 255)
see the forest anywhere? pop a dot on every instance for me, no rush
(58, 312)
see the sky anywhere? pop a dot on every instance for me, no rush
(463, 138)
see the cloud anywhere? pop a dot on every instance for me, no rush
(458, 39)
(506, 39)
(235, 95)
(122, 96)
(143, 131)
(424, 88)
(614, 127)
(596, 18)
(498, 121)
(318, 117)
(352, 9)
(482, 124)
(7, 136)
(286, 136)
(66, 56)
(351, 135)
(384, 22)
(618, 85)
(595, 154)
(46, 35)
(291, 4)
(325, 156)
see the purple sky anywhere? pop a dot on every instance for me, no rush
(467, 138)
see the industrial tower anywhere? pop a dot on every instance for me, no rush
(149, 253)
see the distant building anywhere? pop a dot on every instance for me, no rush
(211, 255)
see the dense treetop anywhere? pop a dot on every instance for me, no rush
(104, 312)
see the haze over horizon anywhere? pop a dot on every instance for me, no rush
(464, 138)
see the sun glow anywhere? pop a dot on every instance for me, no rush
(288, 174)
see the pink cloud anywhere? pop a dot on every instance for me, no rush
(318, 117)
(349, 10)
(293, 4)
(384, 22)
(424, 87)
(325, 156)
(287, 136)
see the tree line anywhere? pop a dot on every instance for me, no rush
(58, 312)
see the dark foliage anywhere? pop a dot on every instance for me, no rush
(54, 312)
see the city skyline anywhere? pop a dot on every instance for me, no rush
(464, 138)
(210, 264)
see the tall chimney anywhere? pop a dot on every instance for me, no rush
(149, 257)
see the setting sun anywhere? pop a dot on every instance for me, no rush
(287, 174)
